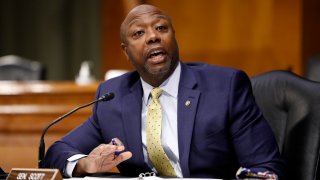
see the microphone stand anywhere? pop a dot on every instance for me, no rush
(42, 147)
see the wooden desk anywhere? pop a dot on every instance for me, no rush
(27, 107)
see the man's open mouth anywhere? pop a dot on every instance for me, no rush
(156, 56)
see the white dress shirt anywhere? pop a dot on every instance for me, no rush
(169, 135)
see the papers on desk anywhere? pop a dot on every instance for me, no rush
(141, 178)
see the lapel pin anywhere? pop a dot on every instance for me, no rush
(187, 103)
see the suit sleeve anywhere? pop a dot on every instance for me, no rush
(79, 141)
(253, 139)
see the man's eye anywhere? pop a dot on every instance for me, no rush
(138, 34)
(161, 28)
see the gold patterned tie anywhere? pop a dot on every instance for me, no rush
(156, 153)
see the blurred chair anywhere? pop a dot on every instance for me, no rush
(16, 68)
(313, 69)
(291, 105)
(114, 73)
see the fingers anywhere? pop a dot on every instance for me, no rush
(118, 142)
(111, 151)
(109, 159)
(105, 157)
(123, 157)
(119, 154)
(103, 149)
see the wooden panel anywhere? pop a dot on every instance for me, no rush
(255, 36)
(46, 92)
(27, 108)
(112, 15)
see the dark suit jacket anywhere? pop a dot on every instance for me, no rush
(221, 130)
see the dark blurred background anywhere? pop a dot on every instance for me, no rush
(253, 35)
(59, 33)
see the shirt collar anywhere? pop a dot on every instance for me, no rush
(169, 86)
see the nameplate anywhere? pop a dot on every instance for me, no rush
(34, 174)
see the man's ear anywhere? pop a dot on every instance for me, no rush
(124, 50)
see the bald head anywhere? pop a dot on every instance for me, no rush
(135, 13)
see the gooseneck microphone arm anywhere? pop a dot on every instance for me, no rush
(42, 147)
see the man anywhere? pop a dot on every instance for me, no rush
(210, 125)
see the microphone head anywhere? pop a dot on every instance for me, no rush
(108, 96)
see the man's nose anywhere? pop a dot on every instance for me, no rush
(153, 37)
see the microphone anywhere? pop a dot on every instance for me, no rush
(106, 97)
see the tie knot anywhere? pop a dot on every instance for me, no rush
(156, 92)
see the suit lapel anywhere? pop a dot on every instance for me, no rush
(187, 105)
(131, 116)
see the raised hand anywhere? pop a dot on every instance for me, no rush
(102, 159)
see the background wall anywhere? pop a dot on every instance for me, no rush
(253, 35)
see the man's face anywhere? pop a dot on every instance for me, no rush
(149, 43)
